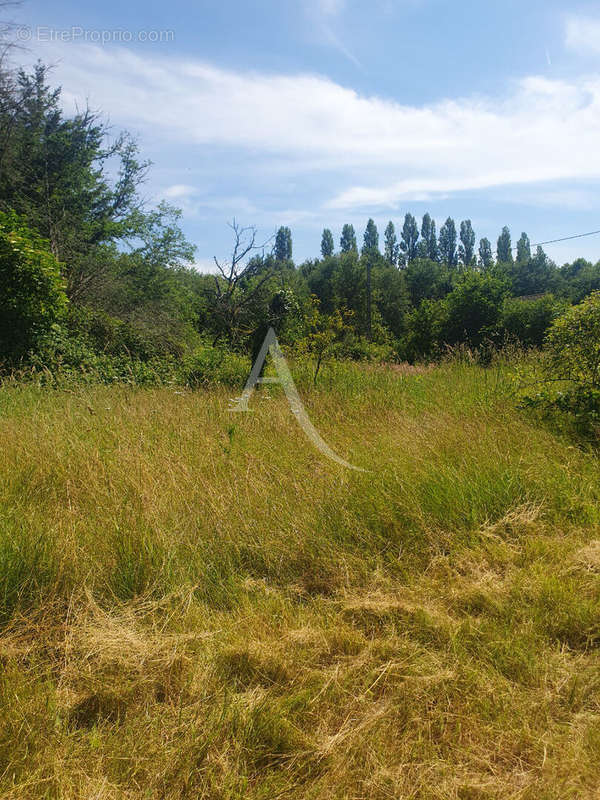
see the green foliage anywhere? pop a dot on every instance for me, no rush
(327, 246)
(391, 244)
(326, 335)
(348, 239)
(135, 299)
(428, 246)
(572, 358)
(573, 345)
(504, 247)
(579, 279)
(32, 296)
(215, 366)
(523, 249)
(409, 241)
(283, 245)
(470, 314)
(537, 275)
(424, 325)
(527, 321)
(55, 173)
(486, 257)
(371, 239)
(427, 280)
(447, 243)
(466, 250)
(472, 310)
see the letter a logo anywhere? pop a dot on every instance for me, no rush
(271, 345)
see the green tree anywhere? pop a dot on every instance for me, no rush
(534, 276)
(573, 345)
(371, 239)
(326, 334)
(427, 280)
(579, 279)
(409, 239)
(283, 244)
(428, 245)
(466, 249)
(327, 245)
(391, 297)
(528, 321)
(423, 327)
(370, 253)
(348, 239)
(32, 296)
(473, 310)
(55, 172)
(391, 244)
(447, 243)
(523, 249)
(572, 356)
(504, 247)
(486, 257)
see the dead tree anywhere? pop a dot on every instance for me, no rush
(233, 292)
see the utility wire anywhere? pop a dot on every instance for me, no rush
(564, 239)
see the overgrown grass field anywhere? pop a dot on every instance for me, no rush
(197, 604)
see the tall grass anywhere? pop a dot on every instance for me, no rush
(195, 603)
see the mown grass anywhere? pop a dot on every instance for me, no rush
(197, 604)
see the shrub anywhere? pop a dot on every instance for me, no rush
(528, 321)
(215, 365)
(472, 310)
(572, 358)
(32, 295)
(573, 345)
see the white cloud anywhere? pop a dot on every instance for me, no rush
(583, 34)
(380, 152)
(179, 191)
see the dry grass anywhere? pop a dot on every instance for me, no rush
(195, 604)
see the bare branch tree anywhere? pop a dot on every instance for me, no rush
(229, 299)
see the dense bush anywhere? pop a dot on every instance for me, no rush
(572, 363)
(32, 296)
(472, 310)
(527, 321)
(215, 365)
(573, 345)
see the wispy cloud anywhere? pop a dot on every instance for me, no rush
(322, 15)
(374, 152)
(583, 34)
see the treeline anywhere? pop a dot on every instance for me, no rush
(90, 275)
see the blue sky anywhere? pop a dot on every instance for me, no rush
(313, 113)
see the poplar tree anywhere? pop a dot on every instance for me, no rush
(327, 243)
(467, 243)
(391, 244)
(486, 257)
(283, 245)
(523, 249)
(504, 247)
(371, 238)
(447, 243)
(348, 239)
(409, 239)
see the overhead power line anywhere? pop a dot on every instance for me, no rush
(564, 239)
